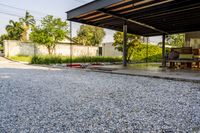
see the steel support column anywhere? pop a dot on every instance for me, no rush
(125, 44)
(163, 51)
(147, 50)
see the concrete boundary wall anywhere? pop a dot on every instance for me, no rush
(14, 48)
(109, 50)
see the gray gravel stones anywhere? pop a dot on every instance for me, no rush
(42, 100)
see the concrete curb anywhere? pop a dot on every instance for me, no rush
(149, 76)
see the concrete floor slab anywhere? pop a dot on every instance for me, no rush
(151, 70)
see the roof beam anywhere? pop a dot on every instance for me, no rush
(174, 20)
(147, 6)
(172, 11)
(132, 4)
(132, 21)
(167, 7)
(92, 6)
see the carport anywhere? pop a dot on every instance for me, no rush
(142, 17)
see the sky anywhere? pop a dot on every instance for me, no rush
(14, 9)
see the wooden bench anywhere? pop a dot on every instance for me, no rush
(185, 57)
(188, 63)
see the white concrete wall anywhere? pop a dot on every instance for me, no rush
(109, 50)
(13, 48)
(192, 39)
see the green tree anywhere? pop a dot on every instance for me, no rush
(27, 22)
(133, 41)
(176, 40)
(14, 30)
(90, 35)
(3, 37)
(49, 32)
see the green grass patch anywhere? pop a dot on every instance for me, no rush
(22, 58)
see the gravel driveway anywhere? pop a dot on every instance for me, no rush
(36, 99)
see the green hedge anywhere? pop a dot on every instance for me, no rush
(1, 47)
(140, 54)
(52, 59)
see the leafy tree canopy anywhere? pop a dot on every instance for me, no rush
(3, 37)
(27, 21)
(175, 40)
(49, 32)
(133, 41)
(14, 30)
(90, 35)
(18, 30)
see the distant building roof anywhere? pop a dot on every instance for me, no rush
(68, 40)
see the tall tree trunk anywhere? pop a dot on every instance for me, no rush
(49, 51)
(130, 53)
(25, 33)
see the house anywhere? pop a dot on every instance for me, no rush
(192, 39)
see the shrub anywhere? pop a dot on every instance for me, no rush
(154, 54)
(52, 59)
(1, 47)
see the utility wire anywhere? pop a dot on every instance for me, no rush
(14, 15)
(82, 1)
(41, 13)
(5, 5)
(10, 14)
(21, 9)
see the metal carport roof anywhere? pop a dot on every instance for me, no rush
(143, 17)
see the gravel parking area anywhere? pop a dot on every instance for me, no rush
(36, 99)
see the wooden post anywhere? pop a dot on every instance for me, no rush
(125, 45)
